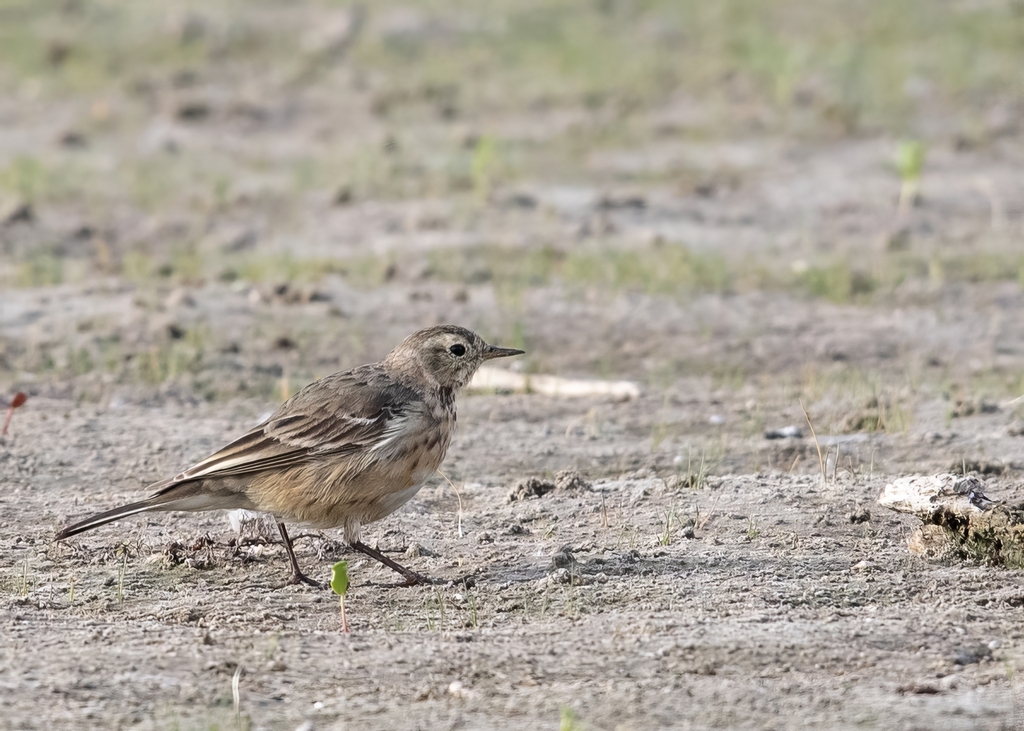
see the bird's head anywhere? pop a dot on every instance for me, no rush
(445, 355)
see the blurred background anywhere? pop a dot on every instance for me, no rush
(741, 205)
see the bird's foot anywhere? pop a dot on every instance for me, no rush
(414, 579)
(467, 581)
(410, 576)
(298, 577)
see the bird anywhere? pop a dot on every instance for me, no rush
(346, 450)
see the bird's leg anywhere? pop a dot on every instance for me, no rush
(411, 577)
(297, 576)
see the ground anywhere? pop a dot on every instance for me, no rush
(205, 206)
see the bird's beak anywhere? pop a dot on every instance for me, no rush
(492, 351)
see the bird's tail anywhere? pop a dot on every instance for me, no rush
(174, 494)
(109, 516)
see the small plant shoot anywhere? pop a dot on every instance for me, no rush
(567, 720)
(339, 583)
(910, 163)
(19, 399)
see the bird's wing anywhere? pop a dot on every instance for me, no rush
(336, 415)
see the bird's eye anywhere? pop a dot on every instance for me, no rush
(457, 349)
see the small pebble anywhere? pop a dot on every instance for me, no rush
(456, 689)
(786, 432)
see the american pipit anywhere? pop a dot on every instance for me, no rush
(346, 450)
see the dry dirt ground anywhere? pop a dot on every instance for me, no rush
(786, 604)
(203, 208)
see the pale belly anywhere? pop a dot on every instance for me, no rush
(390, 503)
(330, 494)
(365, 499)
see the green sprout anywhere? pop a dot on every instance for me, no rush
(567, 720)
(753, 532)
(122, 552)
(909, 162)
(24, 578)
(484, 166)
(665, 538)
(339, 582)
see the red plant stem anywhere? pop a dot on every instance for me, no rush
(18, 400)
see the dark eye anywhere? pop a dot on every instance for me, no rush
(457, 349)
